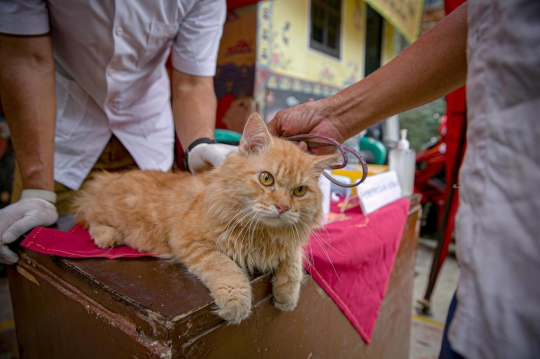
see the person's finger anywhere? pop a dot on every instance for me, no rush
(8, 216)
(20, 217)
(303, 146)
(19, 228)
(7, 256)
(323, 150)
(227, 150)
(214, 158)
(272, 130)
(272, 126)
(205, 156)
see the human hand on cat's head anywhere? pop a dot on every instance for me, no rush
(315, 118)
(204, 157)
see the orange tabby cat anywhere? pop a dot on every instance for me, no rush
(254, 212)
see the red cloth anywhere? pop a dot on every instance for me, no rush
(362, 250)
(76, 243)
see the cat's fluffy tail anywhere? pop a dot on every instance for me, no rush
(85, 198)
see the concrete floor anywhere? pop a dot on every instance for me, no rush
(426, 331)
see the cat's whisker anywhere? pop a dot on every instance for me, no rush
(321, 228)
(236, 215)
(254, 225)
(312, 262)
(327, 243)
(245, 230)
(317, 238)
(312, 231)
(307, 261)
(328, 257)
(248, 233)
(252, 244)
(246, 227)
(226, 237)
(297, 232)
(228, 230)
(290, 232)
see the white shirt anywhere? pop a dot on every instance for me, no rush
(497, 226)
(110, 73)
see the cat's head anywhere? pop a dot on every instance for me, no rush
(270, 181)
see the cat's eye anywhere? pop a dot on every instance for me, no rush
(299, 191)
(266, 179)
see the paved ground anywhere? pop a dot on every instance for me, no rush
(426, 331)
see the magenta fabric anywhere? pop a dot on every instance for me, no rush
(76, 243)
(352, 260)
(362, 250)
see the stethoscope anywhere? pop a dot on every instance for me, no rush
(326, 141)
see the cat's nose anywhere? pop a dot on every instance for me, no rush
(281, 208)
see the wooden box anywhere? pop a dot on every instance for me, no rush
(150, 308)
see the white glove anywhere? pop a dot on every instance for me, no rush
(20, 217)
(204, 156)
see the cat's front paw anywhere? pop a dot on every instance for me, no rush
(234, 303)
(286, 297)
(105, 236)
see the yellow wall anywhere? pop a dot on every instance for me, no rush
(285, 63)
(388, 50)
(292, 56)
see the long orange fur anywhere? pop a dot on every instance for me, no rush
(222, 224)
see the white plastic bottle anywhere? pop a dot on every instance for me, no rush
(403, 160)
(354, 143)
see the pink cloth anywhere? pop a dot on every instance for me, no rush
(352, 262)
(76, 243)
(362, 250)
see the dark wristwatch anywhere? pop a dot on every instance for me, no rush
(192, 146)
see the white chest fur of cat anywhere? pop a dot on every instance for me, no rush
(253, 213)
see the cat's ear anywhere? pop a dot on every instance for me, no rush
(321, 163)
(256, 136)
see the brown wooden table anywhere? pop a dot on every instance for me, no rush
(150, 308)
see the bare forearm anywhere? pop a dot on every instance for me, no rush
(28, 98)
(433, 66)
(194, 107)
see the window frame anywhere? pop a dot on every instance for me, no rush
(373, 33)
(323, 46)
